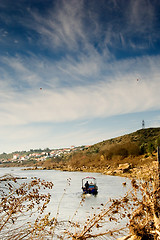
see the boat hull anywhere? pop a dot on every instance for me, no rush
(93, 191)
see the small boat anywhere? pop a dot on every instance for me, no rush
(89, 185)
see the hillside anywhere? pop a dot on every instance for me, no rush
(142, 138)
(125, 155)
(131, 155)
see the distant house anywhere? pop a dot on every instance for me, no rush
(15, 156)
(52, 152)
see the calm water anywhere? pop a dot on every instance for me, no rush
(108, 187)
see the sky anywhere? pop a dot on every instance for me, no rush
(77, 72)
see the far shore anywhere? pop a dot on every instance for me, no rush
(126, 169)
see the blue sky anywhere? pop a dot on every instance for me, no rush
(77, 72)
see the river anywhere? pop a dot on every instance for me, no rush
(108, 187)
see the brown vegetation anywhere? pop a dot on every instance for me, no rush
(140, 208)
(22, 209)
(138, 149)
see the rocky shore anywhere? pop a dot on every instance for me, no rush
(127, 169)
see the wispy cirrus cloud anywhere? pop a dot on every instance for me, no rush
(69, 27)
(63, 27)
(142, 16)
(113, 95)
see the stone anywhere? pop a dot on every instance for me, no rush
(124, 167)
(109, 172)
(118, 171)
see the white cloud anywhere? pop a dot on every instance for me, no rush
(85, 66)
(141, 15)
(135, 28)
(63, 27)
(114, 95)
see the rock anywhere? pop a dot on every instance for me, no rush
(118, 171)
(109, 172)
(124, 167)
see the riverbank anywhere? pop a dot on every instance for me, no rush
(142, 170)
(140, 167)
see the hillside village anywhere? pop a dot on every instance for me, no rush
(37, 155)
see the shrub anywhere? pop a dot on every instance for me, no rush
(20, 203)
(151, 147)
(140, 207)
(158, 142)
(142, 149)
(122, 150)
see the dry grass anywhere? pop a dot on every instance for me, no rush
(21, 203)
(140, 208)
